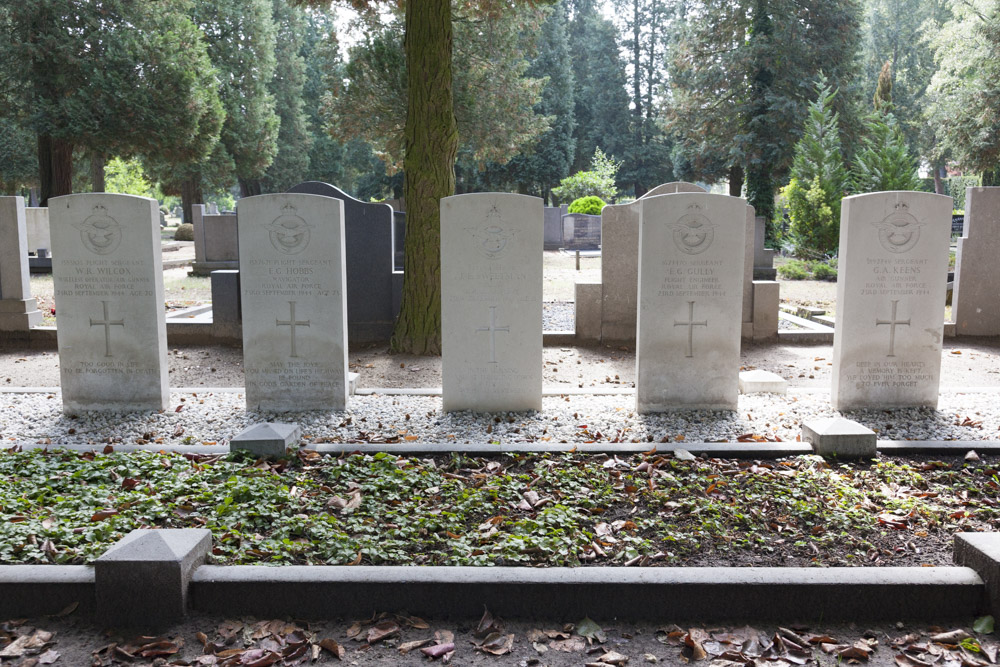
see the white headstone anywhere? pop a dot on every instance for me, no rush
(691, 265)
(294, 304)
(491, 302)
(111, 321)
(18, 311)
(977, 280)
(37, 222)
(891, 282)
(619, 263)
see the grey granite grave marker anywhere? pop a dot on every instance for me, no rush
(691, 267)
(108, 279)
(975, 302)
(294, 309)
(491, 302)
(373, 290)
(891, 281)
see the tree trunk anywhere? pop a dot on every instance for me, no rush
(55, 166)
(736, 180)
(429, 166)
(250, 187)
(761, 151)
(938, 183)
(190, 195)
(97, 172)
(640, 189)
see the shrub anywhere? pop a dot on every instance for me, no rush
(794, 270)
(884, 163)
(588, 205)
(598, 182)
(818, 180)
(185, 232)
(823, 271)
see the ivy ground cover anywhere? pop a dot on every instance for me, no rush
(531, 509)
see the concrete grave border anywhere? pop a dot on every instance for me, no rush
(678, 593)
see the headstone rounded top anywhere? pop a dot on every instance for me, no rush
(673, 188)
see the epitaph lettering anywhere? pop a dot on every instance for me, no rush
(292, 281)
(491, 269)
(106, 260)
(890, 300)
(691, 266)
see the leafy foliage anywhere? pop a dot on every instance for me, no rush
(559, 509)
(884, 162)
(818, 180)
(587, 205)
(965, 91)
(127, 177)
(598, 182)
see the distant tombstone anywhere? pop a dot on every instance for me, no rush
(763, 257)
(36, 221)
(212, 208)
(581, 231)
(108, 279)
(976, 299)
(216, 241)
(691, 259)
(292, 296)
(619, 263)
(891, 281)
(372, 295)
(491, 302)
(18, 311)
(552, 227)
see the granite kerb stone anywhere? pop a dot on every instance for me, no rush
(697, 593)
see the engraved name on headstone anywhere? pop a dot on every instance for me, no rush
(294, 304)
(691, 268)
(491, 302)
(891, 283)
(108, 279)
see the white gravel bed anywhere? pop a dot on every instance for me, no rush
(558, 316)
(207, 417)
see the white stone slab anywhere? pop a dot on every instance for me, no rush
(620, 263)
(759, 381)
(891, 282)
(976, 299)
(292, 277)
(491, 302)
(36, 220)
(692, 251)
(108, 278)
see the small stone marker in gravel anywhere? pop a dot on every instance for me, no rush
(840, 437)
(108, 279)
(18, 311)
(891, 283)
(142, 581)
(762, 382)
(491, 302)
(267, 439)
(977, 281)
(293, 299)
(691, 261)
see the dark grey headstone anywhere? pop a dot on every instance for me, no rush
(581, 231)
(372, 305)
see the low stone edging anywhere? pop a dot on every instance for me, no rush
(148, 582)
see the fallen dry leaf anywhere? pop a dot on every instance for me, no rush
(497, 644)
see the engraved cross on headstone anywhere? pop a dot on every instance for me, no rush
(893, 323)
(493, 329)
(107, 324)
(291, 322)
(690, 324)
